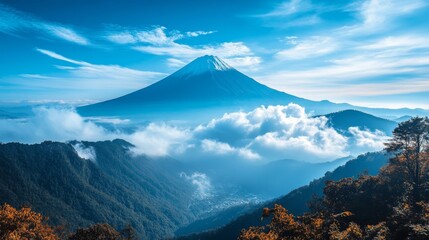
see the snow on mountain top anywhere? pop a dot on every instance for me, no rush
(204, 64)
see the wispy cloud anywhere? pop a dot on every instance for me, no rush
(159, 41)
(83, 79)
(291, 7)
(15, 22)
(372, 54)
(199, 33)
(106, 72)
(65, 33)
(295, 13)
(60, 57)
(175, 63)
(156, 36)
(399, 42)
(309, 48)
(343, 78)
(231, 52)
(376, 15)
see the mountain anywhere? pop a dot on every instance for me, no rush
(342, 120)
(208, 87)
(206, 82)
(113, 187)
(403, 118)
(296, 201)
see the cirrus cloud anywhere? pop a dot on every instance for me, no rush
(14, 22)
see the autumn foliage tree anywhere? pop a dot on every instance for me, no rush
(410, 146)
(23, 224)
(392, 205)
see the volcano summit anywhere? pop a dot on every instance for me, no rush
(207, 81)
(206, 86)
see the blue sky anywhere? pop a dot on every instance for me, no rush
(369, 52)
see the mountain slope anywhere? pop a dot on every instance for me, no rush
(402, 119)
(118, 189)
(296, 201)
(209, 86)
(342, 120)
(205, 82)
(210, 81)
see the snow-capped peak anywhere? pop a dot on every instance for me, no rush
(204, 64)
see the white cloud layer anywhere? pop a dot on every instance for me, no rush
(264, 134)
(277, 132)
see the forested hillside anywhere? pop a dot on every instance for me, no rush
(391, 205)
(114, 187)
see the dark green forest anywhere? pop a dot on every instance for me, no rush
(118, 189)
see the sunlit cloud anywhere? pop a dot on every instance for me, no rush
(263, 134)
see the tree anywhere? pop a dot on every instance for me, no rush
(410, 146)
(23, 224)
(96, 232)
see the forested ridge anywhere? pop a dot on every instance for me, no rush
(391, 205)
(116, 188)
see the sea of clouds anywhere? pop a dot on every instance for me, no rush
(263, 134)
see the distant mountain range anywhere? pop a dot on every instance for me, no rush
(403, 118)
(343, 120)
(207, 87)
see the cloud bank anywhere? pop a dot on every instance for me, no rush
(264, 134)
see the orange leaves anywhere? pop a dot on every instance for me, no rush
(23, 224)
(352, 232)
(257, 233)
